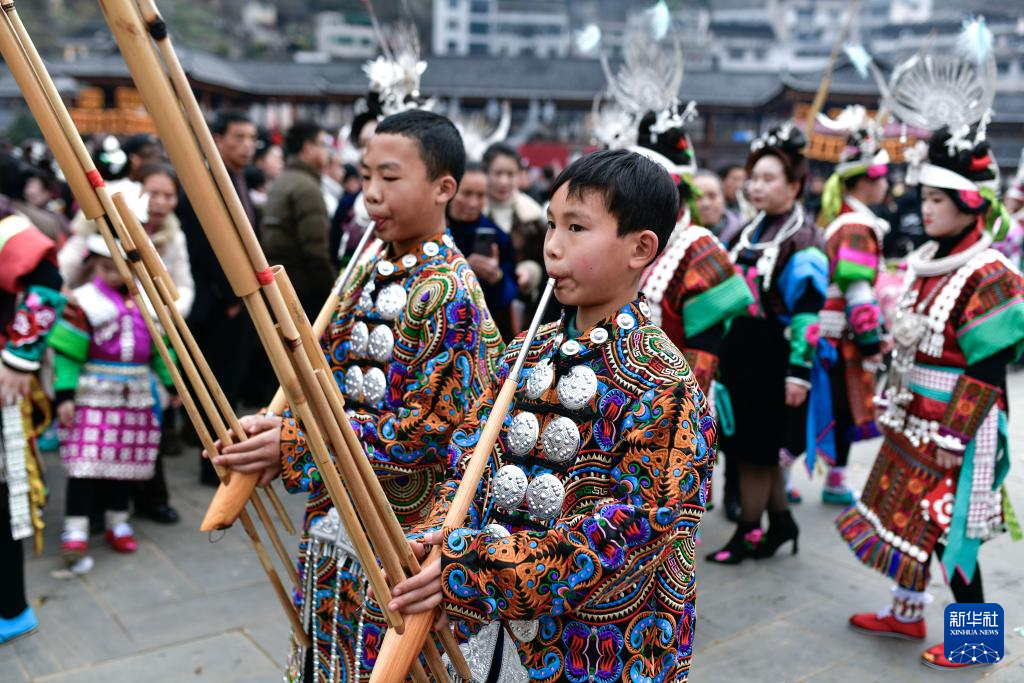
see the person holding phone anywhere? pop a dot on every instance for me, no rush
(487, 247)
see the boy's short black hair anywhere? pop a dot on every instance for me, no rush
(637, 191)
(500, 149)
(299, 134)
(225, 119)
(476, 167)
(438, 139)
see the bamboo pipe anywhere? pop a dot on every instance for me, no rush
(323, 318)
(204, 436)
(61, 135)
(171, 320)
(398, 650)
(230, 497)
(22, 69)
(208, 204)
(826, 79)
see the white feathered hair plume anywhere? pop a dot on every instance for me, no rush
(478, 134)
(395, 75)
(955, 90)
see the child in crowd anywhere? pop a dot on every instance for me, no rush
(106, 403)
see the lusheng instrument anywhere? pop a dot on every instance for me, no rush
(140, 265)
(398, 651)
(285, 333)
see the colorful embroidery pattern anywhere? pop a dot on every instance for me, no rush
(605, 569)
(890, 530)
(412, 346)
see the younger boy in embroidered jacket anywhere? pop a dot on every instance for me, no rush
(581, 542)
(412, 346)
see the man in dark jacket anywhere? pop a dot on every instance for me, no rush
(223, 330)
(295, 221)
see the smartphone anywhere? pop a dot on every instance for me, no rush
(484, 240)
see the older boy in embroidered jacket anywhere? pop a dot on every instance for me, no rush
(412, 346)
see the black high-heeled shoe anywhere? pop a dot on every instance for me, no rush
(781, 529)
(743, 544)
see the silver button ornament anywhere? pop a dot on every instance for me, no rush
(571, 347)
(374, 385)
(540, 379)
(495, 530)
(625, 321)
(381, 343)
(524, 631)
(358, 339)
(561, 439)
(365, 300)
(447, 239)
(508, 486)
(523, 433)
(408, 260)
(385, 268)
(644, 308)
(431, 249)
(544, 496)
(577, 387)
(391, 301)
(599, 335)
(354, 383)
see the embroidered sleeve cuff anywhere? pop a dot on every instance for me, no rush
(968, 406)
(16, 362)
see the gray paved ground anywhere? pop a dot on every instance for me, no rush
(186, 609)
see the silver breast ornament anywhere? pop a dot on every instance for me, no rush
(374, 385)
(354, 383)
(381, 343)
(508, 486)
(358, 339)
(561, 439)
(577, 387)
(391, 301)
(523, 433)
(540, 379)
(544, 496)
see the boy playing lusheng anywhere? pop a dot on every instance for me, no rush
(581, 542)
(412, 346)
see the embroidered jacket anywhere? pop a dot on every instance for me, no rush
(693, 289)
(948, 320)
(850, 324)
(788, 281)
(412, 346)
(31, 309)
(582, 537)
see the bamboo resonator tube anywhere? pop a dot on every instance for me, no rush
(398, 650)
(138, 263)
(280, 324)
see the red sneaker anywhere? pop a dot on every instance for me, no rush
(73, 551)
(935, 657)
(889, 626)
(122, 541)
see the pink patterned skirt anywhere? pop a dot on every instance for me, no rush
(116, 431)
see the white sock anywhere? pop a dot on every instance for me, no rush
(115, 518)
(75, 529)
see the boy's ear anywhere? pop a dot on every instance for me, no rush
(445, 188)
(645, 248)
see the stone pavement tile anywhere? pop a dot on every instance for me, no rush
(71, 614)
(773, 652)
(136, 581)
(271, 636)
(748, 603)
(226, 658)
(204, 615)
(215, 568)
(11, 670)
